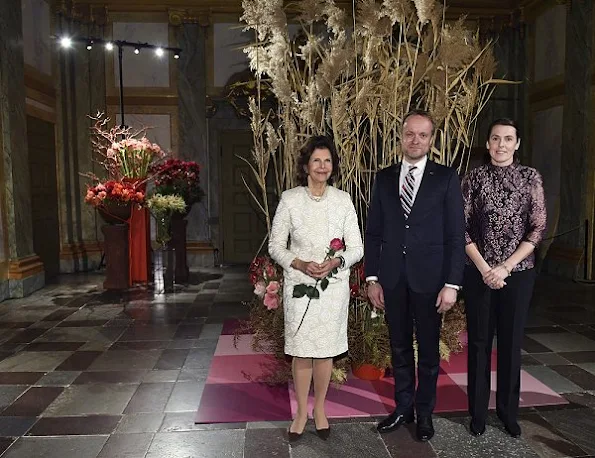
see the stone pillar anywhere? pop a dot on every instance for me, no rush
(192, 91)
(80, 92)
(25, 269)
(577, 124)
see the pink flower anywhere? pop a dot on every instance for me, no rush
(260, 289)
(337, 244)
(271, 301)
(270, 271)
(273, 287)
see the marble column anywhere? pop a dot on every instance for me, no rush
(578, 119)
(25, 270)
(80, 91)
(193, 133)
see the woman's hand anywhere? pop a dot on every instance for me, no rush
(310, 268)
(327, 266)
(494, 278)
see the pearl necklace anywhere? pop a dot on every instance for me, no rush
(313, 197)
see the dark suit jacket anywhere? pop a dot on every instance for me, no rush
(429, 247)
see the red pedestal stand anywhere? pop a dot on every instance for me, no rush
(116, 256)
(139, 237)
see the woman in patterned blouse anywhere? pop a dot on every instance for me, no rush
(505, 220)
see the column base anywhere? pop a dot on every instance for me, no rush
(200, 254)
(25, 276)
(4, 290)
(80, 257)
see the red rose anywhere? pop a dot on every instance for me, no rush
(337, 244)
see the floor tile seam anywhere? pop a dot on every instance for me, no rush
(559, 433)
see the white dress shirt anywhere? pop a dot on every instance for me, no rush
(418, 174)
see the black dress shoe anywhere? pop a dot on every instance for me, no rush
(475, 429)
(394, 421)
(425, 429)
(513, 429)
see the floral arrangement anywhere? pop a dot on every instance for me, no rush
(367, 331)
(162, 207)
(175, 176)
(121, 151)
(134, 156)
(114, 192)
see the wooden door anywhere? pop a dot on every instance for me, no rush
(243, 224)
(44, 194)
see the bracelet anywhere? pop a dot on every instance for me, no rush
(506, 269)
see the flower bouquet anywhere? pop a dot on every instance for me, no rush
(175, 176)
(162, 208)
(114, 199)
(122, 152)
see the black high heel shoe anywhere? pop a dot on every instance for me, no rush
(295, 436)
(323, 433)
(475, 430)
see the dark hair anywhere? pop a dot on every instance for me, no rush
(423, 114)
(504, 122)
(316, 142)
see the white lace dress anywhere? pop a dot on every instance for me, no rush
(309, 226)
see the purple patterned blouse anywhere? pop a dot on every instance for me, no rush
(504, 206)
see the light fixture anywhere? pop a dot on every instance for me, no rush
(159, 52)
(176, 55)
(136, 51)
(90, 45)
(109, 46)
(66, 42)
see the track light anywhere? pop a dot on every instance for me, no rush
(109, 46)
(90, 45)
(66, 42)
(136, 51)
(177, 55)
(159, 52)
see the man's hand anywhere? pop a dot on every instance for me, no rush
(376, 295)
(447, 297)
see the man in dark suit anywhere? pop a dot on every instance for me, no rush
(414, 260)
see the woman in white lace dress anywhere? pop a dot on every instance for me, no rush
(307, 219)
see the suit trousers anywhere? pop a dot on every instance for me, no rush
(406, 310)
(503, 311)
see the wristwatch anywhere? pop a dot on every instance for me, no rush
(455, 287)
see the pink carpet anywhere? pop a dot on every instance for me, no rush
(233, 393)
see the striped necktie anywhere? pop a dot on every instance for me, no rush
(407, 192)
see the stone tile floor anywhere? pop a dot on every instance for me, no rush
(86, 373)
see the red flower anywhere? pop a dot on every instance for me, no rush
(337, 244)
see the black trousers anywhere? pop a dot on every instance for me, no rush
(504, 310)
(404, 310)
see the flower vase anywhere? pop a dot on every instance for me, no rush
(178, 241)
(367, 372)
(115, 212)
(164, 267)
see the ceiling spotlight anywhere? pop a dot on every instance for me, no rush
(176, 55)
(90, 45)
(159, 52)
(136, 51)
(109, 46)
(66, 42)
